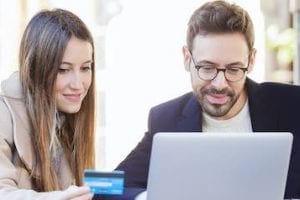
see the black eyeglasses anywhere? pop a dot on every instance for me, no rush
(208, 72)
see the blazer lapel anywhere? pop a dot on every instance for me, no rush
(262, 110)
(190, 120)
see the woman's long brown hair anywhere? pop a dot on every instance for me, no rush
(41, 52)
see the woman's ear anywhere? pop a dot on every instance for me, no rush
(252, 57)
(186, 58)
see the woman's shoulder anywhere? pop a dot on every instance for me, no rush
(11, 87)
(6, 125)
(14, 117)
(15, 128)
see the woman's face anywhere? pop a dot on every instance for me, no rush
(74, 76)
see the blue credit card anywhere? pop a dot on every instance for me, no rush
(104, 182)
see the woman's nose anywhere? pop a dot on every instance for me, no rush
(76, 81)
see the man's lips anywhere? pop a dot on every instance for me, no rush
(217, 98)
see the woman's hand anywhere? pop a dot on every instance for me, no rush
(78, 193)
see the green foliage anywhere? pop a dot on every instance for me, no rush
(283, 43)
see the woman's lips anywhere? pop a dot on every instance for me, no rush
(72, 97)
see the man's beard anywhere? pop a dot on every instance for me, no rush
(216, 110)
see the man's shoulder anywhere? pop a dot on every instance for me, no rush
(280, 89)
(271, 89)
(275, 96)
(177, 103)
(278, 85)
(165, 117)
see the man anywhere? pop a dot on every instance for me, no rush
(219, 55)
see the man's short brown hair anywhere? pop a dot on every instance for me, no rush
(220, 17)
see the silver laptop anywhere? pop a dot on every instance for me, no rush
(219, 166)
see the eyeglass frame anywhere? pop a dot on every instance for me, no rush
(197, 67)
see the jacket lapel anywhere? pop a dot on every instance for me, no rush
(190, 120)
(263, 111)
(21, 134)
(14, 100)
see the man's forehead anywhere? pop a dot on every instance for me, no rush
(229, 47)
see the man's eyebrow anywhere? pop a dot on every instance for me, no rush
(207, 62)
(235, 63)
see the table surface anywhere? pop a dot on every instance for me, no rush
(129, 194)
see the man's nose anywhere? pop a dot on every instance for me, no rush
(220, 82)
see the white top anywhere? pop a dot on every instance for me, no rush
(239, 123)
(141, 196)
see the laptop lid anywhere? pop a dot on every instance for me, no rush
(214, 166)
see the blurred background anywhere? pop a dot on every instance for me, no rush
(139, 60)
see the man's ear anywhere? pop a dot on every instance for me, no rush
(186, 58)
(252, 60)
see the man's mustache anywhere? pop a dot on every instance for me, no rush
(212, 91)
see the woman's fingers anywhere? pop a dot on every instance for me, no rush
(78, 193)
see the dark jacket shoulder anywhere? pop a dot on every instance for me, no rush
(172, 107)
(180, 114)
(271, 89)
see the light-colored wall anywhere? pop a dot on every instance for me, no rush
(139, 60)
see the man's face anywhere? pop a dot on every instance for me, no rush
(219, 98)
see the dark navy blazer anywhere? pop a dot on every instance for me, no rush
(273, 107)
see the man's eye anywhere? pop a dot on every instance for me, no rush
(207, 68)
(233, 70)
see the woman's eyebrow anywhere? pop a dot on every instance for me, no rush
(69, 63)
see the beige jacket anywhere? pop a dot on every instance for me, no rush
(17, 150)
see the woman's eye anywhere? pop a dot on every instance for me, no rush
(62, 70)
(86, 68)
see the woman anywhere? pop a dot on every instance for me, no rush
(48, 111)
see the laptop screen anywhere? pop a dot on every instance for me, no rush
(218, 166)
